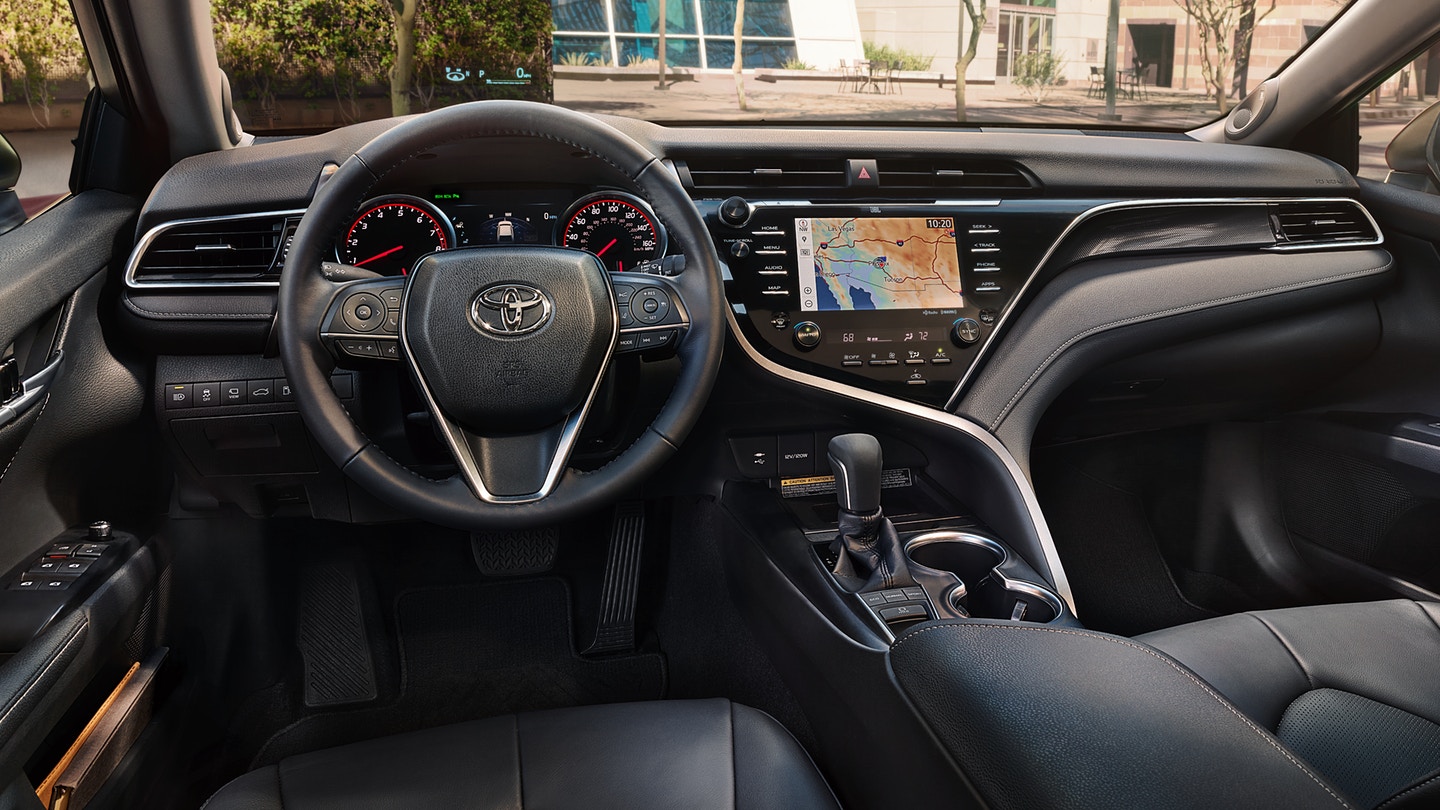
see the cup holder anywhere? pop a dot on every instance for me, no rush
(984, 592)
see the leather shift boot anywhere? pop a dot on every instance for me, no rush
(869, 557)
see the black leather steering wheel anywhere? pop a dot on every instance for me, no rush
(507, 344)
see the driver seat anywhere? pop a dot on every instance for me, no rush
(692, 754)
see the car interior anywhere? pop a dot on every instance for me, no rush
(323, 487)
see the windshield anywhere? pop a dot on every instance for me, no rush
(1146, 64)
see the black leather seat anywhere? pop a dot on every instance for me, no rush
(670, 754)
(1351, 689)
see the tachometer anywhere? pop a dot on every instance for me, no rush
(619, 228)
(392, 232)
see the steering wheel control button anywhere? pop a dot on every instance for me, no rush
(179, 396)
(755, 456)
(807, 335)
(736, 211)
(389, 349)
(392, 321)
(965, 332)
(628, 342)
(359, 348)
(658, 339)
(623, 294)
(392, 298)
(650, 305)
(626, 319)
(363, 312)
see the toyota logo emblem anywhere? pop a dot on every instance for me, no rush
(510, 309)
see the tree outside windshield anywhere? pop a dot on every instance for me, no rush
(1166, 64)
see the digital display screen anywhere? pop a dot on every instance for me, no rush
(877, 263)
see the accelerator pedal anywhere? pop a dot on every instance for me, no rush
(616, 631)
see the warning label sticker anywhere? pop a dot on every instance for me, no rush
(825, 484)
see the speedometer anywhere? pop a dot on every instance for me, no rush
(391, 233)
(618, 228)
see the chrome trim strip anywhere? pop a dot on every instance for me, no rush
(944, 418)
(1023, 586)
(569, 434)
(957, 394)
(133, 264)
(31, 390)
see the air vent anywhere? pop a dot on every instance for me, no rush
(226, 250)
(1321, 223)
(725, 176)
(966, 176)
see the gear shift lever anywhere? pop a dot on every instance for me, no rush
(867, 546)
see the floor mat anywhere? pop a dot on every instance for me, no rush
(480, 650)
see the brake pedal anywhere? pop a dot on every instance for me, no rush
(517, 553)
(618, 595)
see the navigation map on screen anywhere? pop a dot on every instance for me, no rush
(855, 263)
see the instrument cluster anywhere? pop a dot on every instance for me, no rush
(390, 233)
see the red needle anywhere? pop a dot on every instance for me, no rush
(607, 247)
(381, 255)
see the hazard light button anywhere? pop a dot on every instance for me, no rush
(862, 173)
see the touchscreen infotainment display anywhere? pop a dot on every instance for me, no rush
(855, 263)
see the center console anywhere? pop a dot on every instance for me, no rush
(895, 298)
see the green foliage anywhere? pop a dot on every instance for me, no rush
(1038, 73)
(797, 64)
(499, 37)
(578, 59)
(345, 50)
(908, 59)
(39, 47)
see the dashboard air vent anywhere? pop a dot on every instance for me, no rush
(1320, 223)
(966, 176)
(725, 176)
(221, 250)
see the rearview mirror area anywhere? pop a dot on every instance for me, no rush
(11, 212)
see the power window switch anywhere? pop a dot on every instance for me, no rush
(62, 549)
(74, 567)
(45, 567)
(90, 549)
(25, 584)
(54, 584)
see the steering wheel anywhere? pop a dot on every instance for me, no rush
(508, 345)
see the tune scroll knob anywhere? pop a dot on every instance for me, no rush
(965, 332)
(807, 335)
(736, 211)
(740, 249)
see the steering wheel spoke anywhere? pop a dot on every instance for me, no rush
(363, 319)
(515, 468)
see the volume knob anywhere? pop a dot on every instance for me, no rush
(736, 211)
